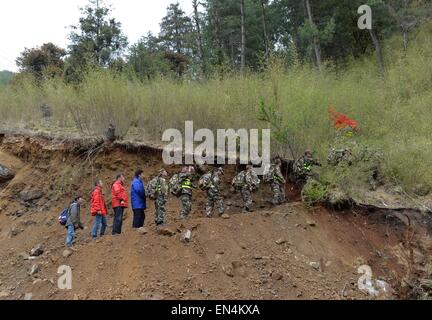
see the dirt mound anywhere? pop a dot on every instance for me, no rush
(288, 252)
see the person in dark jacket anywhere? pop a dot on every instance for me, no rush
(74, 220)
(98, 210)
(138, 199)
(119, 202)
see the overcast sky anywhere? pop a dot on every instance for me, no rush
(30, 23)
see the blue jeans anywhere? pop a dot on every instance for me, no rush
(99, 221)
(70, 235)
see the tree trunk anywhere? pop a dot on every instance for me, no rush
(378, 52)
(315, 40)
(264, 20)
(243, 37)
(199, 36)
(218, 33)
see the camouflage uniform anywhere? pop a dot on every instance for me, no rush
(250, 183)
(303, 168)
(185, 180)
(214, 197)
(277, 185)
(160, 201)
(337, 156)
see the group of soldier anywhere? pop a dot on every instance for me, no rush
(245, 182)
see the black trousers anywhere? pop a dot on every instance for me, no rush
(138, 218)
(118, 220)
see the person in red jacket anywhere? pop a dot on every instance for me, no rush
(98, 210)
(119, 202)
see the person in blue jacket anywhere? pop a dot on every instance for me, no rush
(138, 199)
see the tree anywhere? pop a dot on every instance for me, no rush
(243, 37)
(315, 36)
(146, 59)
(176, 30)
(199, 36)
(408, 14)
(46, 60)
(97, 40)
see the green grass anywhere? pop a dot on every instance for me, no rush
(394, 115)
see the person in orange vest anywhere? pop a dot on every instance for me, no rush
(119, 202)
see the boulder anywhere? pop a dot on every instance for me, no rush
(5, 174)
(31, 195)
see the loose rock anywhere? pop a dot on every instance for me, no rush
(37, 251)
(67, 253)
(142, 231)
(166, 232)
(187, 236)
(34, 270)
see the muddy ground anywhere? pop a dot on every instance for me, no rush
(287, 252)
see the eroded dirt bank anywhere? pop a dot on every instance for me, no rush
(288, 252)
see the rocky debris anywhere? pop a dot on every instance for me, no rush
(239, 268)
(37, 251)
(24, 256)
(4, 294)
(34, 270)
(18, 213)
(280, 241)
(15, 231)
(67, 253)
(229, 270)
(5, 173)
(27, 196)
(311, 223)
(315, 265)
(142, 231)
(205, 292)
(166, 232)
(277, 276)
(225, 216)
(187, 236)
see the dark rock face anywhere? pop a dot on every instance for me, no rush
(5, 174)
(31, 195)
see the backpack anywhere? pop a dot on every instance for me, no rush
(63, 218)
(204, 182)
(175, 185)
(151, 188)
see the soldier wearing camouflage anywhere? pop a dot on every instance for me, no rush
(161, 196)
(185, 179)
(214, 197)
(247, 181)
(303, 167)
(277, 181)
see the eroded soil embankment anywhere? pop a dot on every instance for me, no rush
(288, 252)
